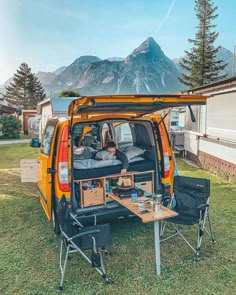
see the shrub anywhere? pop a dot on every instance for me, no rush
(68, 93)
(10, 126)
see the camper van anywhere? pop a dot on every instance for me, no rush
(74, 160)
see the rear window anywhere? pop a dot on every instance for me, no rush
(47, 137)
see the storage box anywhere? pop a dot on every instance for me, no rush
(93, 197)
(146, 186)
(28, 170)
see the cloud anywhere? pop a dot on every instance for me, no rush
(165, 18)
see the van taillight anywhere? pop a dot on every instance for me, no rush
(63, 167)
(166, 164)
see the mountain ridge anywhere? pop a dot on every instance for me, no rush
(145, 70)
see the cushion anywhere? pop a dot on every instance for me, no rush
(104, 155)
(133, 152)
(83, 153)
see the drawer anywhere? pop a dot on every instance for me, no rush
(143, 177)
(93, 197)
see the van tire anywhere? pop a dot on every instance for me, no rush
(54, 222)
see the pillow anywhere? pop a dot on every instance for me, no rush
(133, 152)
(104, 155)
(82, 153)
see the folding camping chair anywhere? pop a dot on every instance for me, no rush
(76, 238)
(192, 203)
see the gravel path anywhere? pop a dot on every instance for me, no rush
(14, 141)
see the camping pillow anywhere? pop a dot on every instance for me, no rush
(82, 153)
(104, 155)
(133, 152)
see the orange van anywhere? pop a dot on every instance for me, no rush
(68, 164)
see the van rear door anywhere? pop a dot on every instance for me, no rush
(166, 156)
(45, 170)
(133, 105)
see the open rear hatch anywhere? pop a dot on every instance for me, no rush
(136, 105)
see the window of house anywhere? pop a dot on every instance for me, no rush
(123, 133)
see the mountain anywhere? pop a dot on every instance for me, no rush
(146, 70)
(45, 77)
(59, 70)
(150, 70)
(115, 58)
(223, 54)
(227, 56)
(71, 75)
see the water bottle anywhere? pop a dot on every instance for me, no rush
(134, 197)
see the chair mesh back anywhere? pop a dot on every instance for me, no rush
(190, 193)
(103, 237)
(64, 218)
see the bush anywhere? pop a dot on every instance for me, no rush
(10, 126)
(68, 93)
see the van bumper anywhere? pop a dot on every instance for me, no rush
(101, 214)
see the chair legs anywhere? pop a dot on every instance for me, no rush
(96, 261)
(211, 230)
(63, 267)
(201, 227)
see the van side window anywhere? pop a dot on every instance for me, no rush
(123, 134)
(47, 137)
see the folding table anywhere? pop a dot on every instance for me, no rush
(148, 217)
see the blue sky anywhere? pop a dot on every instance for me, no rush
(51, 33)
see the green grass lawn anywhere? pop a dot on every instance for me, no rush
(29, 249)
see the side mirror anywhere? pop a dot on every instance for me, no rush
(34, 142)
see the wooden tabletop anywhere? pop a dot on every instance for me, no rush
(147, 217)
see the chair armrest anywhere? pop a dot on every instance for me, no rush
(90, 232)
(203, 206)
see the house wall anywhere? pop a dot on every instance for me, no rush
(211, 141)
(221, 117)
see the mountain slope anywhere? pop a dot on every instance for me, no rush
(59, 70)
(70, 76)
(46, 77)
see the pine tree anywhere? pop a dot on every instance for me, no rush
(200, 66)
(26, 90)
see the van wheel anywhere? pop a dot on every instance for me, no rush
(54, 221)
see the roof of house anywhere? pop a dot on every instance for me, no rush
(59, 104)
(221, 84)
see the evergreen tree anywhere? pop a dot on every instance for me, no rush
(26, 90)
(200, 66)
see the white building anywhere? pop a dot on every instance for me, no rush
(211, 141)
(52, 107)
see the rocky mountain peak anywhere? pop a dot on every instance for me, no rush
(149, 46)
(84, 60)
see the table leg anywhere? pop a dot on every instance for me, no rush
(157, 247)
